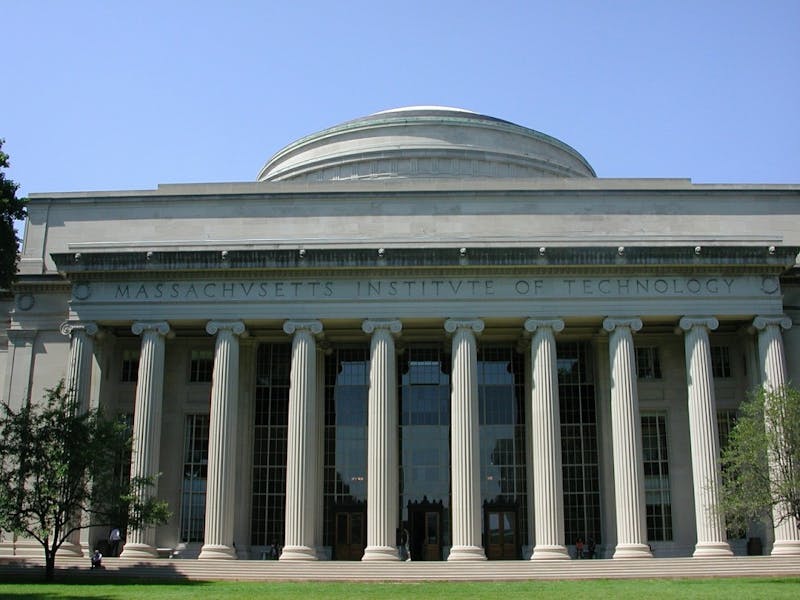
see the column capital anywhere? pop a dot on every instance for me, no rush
(235, 327)
(687, 323)
(395, 326)
(612, 323)
(20, 337)
(67, 327)
(762, 322)
(531, 325)
(315, 327)
(160, 327)
(452, 325)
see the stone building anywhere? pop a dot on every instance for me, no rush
(427, 328)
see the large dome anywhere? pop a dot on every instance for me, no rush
(424, 142)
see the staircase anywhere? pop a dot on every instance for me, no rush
(253, 570)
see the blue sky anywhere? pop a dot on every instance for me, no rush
(127, 95)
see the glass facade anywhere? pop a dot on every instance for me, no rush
(269, 444)
(501, 394)
(425, 447)
(579, 456)
(656, 478)
(195, 475)
(346, 402)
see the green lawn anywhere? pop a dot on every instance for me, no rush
(751, 589)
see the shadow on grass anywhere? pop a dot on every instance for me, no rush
(119, 572)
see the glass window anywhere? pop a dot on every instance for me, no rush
(721, 361)
(346, 401)
(130, 366)
(579, 457)
(656, 477)
(270, 444)
(195, 474)
(202, 366)
(648, 365)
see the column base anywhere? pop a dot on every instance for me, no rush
(136, 550)
(380, 553)
(298, 553)
(632, 551)
(217, 552)
(541, 552)
(466, 553)
(786, 548)
(705, 549)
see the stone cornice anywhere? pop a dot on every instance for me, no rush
(769, 259)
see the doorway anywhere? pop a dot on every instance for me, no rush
(501, 532)
(349, 542)
(425, 529)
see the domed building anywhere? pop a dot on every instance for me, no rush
(426, 331)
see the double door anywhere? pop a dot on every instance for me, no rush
(350, 535)
(501, 533)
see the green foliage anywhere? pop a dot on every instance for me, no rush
(60, 471)
(11, 208)
(761, 462)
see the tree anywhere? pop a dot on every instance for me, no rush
(57, 463)
(11, 208)
(761, 461)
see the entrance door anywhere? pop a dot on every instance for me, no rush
(425, 530)
(349, 543)
(501, 534)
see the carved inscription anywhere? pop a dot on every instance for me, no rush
(422, 288)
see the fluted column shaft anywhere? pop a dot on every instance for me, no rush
(77, 384)
(774, 376)
(626, 429)
(465, 457)
(79, 364)
(147, 426)
(220, 496)
(382, 459)
(301, 459)
(706, 477)
(546, 441)
(320, 458)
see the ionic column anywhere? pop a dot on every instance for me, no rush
(464, 440)
(382, 460)
(141, 543)
(319, 525)
(546, 441)
(772, 359)
(626, 429)
(79, 364)
(220, 494)
(706, 477)
(77, 387)
(16, 393)
(301, 460)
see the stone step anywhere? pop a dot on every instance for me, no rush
(245, 570)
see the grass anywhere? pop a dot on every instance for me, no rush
(749, 588)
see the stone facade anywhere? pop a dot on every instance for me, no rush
(425, 330)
